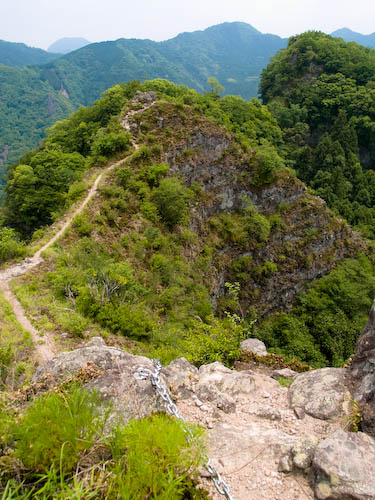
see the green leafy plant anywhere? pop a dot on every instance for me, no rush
(154, 460)
(57, 428)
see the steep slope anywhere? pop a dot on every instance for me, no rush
(352, 36)
(19, 54)
(67, 44)
(235, 53)
(194, 222)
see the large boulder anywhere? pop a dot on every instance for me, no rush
(182, 377)
(363, 373)
(229, 382)
(343, 467)
(95, 352)
(112, 375)
(253, 346)
(321, 393)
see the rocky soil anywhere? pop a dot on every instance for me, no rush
(267, 441)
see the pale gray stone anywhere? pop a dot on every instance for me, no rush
(321, 393)
(181, 377)
(303, 451)
(95, 352)
(254, 346)
(363, 374)
(284, 373)
(229, 382)
(285, 464)
(343, 467)
(126, 396)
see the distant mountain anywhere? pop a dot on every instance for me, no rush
(66, 45)
(352, 36)
(19, 54)
(234, 53)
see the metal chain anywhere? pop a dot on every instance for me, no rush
(143, 374)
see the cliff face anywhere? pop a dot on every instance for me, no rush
(305, 240)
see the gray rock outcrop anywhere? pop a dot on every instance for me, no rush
(321, 393)
(343, 467)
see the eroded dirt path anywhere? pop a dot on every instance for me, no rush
(44, 343)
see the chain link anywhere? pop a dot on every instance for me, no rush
(143, 374)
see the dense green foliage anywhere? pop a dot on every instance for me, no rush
(34, 98)
(27, 107)
(40, 187)
(19, 54)
(59, 448)
(10, 245)
(322, 92)
(324, 326)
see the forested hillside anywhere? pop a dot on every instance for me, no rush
(27, 107)
(19, 54)
(322, 92)
(34, 98)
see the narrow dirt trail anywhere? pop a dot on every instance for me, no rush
(44, 343)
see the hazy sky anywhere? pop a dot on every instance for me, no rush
(40, 22)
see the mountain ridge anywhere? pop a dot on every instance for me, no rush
(68, 44)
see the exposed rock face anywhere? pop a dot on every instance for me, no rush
(321, 393)
(254, 346)
(203, 153)
(363, 373)
(344, 467)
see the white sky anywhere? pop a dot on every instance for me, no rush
(39, 23)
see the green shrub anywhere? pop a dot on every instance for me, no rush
(256, 225)
(75, 191)
(150, 211)
(10, 245)
(130, 320)
(218, 340)
(57, 427)
(83, 226)
(162, 265)
(153, 174)
(171, 200)
(124, 175)
(142, 155)
(106, 144)
(73, 323)
(155, 461)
